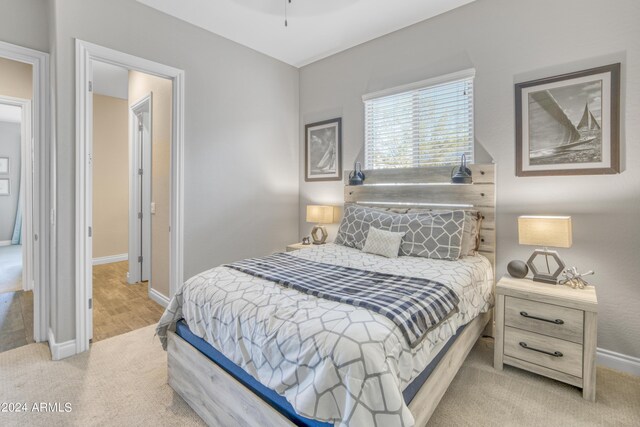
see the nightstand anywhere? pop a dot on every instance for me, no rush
(550, 330)
(298, 246)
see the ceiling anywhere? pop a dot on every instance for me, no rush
(110, 80)
(10, 113)
(317, 28)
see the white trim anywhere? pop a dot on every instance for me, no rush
(85, 54)
(434, 81)
(110, 259)
(177, 186)
(5, 242)
(619, 362)
(42, 233)
(60, 350)
(158, 297)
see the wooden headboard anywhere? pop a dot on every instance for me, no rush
(431, 188)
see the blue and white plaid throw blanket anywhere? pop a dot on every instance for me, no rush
(415, 305)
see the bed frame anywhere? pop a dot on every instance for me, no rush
(221, 400)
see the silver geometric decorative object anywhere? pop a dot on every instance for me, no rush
(319, 240)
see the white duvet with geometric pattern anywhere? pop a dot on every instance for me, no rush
(333, 362)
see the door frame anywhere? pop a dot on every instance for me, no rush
(42, 235)
(26, 193)
(86, 53)
(140, 234)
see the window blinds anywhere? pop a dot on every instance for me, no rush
(428, 123)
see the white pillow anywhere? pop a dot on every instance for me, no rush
(381, 242)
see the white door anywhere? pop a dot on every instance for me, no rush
(140, 193)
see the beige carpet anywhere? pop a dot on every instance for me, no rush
(122, 381)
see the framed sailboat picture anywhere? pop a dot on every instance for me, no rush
(323, 151)
(569, 124)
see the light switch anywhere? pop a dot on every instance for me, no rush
(153, 208)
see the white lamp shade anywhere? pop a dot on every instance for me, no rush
(320, 214)
(553, 231)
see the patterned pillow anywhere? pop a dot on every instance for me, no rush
(381, 242)
(436, 235)
(470, 232)
(356, 222)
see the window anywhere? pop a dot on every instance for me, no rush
(428, 123)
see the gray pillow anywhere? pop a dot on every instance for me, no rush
(355, 225)
(382, 242)
(470, 231)
(436, 235)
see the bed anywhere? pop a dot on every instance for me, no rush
(243, 350)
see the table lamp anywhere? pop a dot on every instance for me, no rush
(320, 215)
(545, 231)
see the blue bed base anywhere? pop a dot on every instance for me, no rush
(277, 401)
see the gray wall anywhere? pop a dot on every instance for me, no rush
(241, 145)
(10, 147)
(510, 41)
(25, 23)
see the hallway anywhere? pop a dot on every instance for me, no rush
(16, 319)
(10, 268)
(117, 306)
(16, 306)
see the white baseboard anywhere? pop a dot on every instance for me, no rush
(158, 297)
(109, 259)
(5, 242)
(619, 362)
(60, 350)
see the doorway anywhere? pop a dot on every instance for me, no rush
(37, 232)
(160, 202)
(129, 166)
(16, 192)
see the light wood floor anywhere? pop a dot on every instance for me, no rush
(117, 306)
(16, 306)
(16, 319)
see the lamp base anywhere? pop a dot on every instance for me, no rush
(549, 277)
(319, 240)
(543, 278)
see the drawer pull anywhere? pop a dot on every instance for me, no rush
(554, 354)
(556, 321)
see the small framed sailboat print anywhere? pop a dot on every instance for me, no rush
(323, 151)
(569, 124)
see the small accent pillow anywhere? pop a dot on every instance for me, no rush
(436, 235)
(382, 242)
(356, 222)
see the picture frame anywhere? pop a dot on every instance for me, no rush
(5, 187)
(4, 165)
(323, 151)
(569, 124)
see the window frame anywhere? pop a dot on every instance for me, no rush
(414, 87)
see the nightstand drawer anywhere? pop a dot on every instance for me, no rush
(548, 319)
(553, 353)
